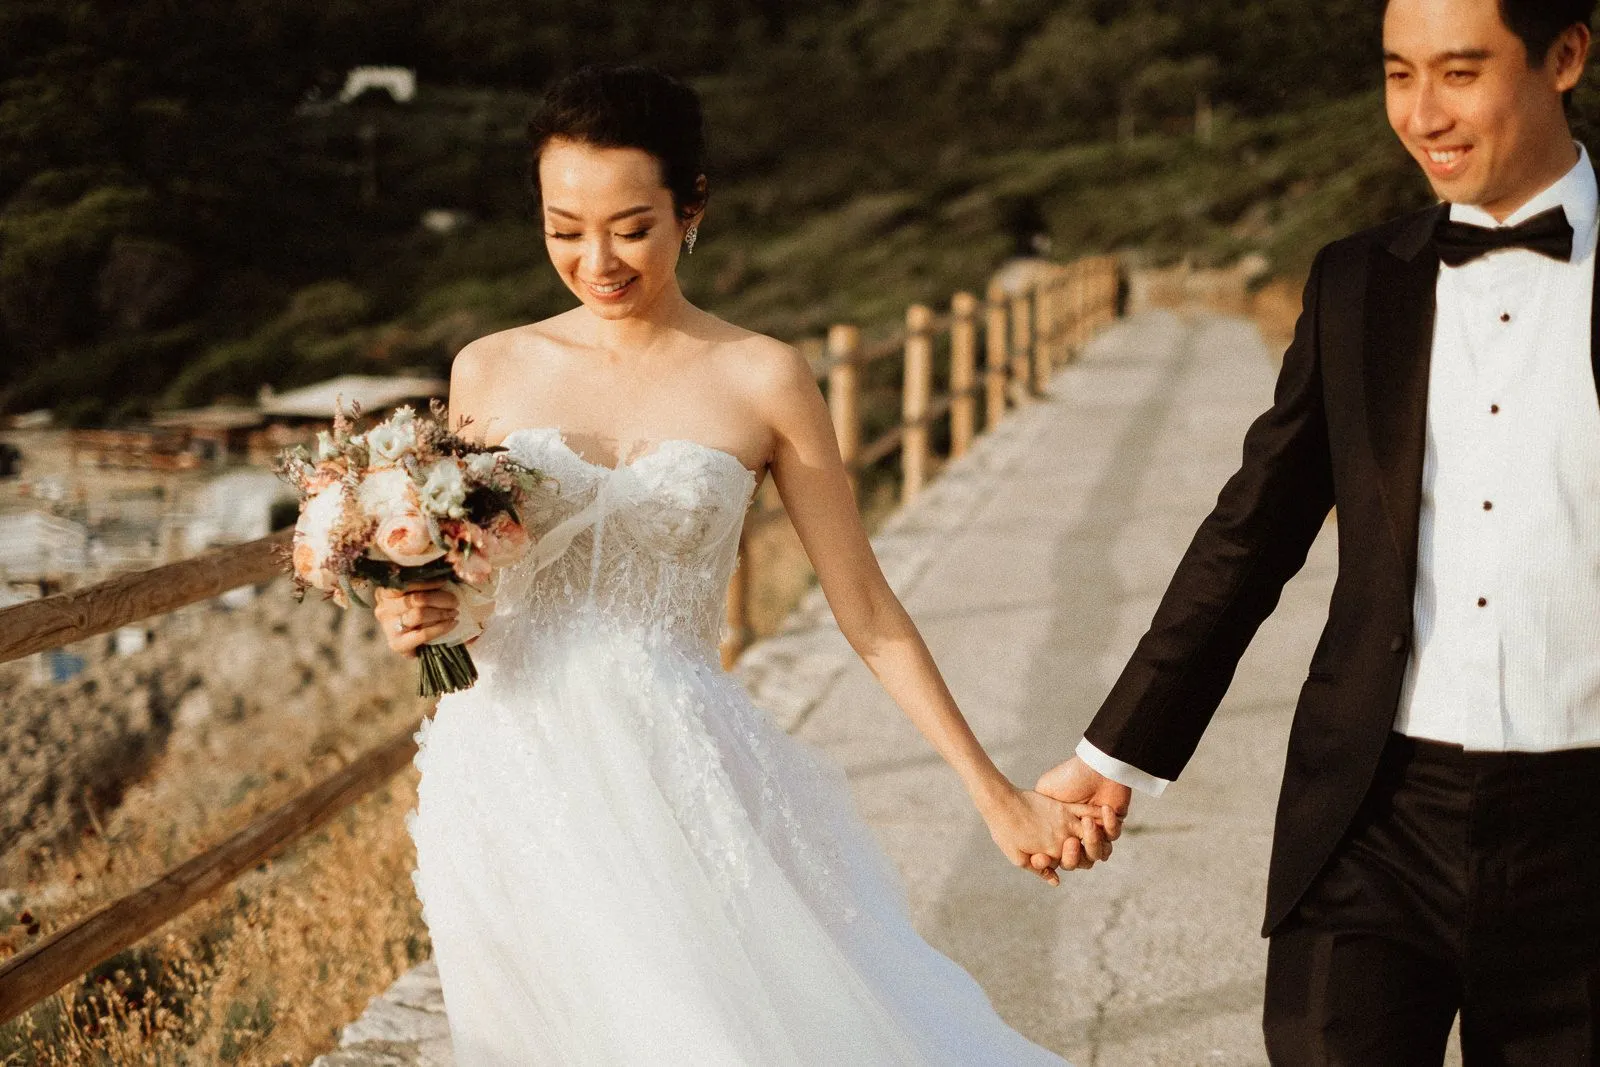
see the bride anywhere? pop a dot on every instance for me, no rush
(620, 859)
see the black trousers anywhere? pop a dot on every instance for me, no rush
(1468, 883)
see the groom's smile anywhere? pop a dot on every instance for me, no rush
(1443, 165)
(1481, 116)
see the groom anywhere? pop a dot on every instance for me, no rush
(1438, 832)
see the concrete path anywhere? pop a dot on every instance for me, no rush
(1032, 566)
(1031, 610)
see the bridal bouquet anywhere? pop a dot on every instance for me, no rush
(407, 501)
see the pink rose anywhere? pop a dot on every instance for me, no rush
(504, 541)
(473, 568)
(468, 553)
(404, 539)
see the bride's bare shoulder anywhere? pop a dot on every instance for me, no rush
(481, 370)
(769, 369)
(517, 345)
(755, 359)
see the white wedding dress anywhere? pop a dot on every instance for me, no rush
(621, 860)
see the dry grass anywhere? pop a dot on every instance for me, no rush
(269, 969)
(264, 973)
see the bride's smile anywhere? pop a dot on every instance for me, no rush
(612, 229)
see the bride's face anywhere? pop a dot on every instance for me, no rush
(610, 225)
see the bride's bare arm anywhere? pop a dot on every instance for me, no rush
(816, 493)
(411, 618)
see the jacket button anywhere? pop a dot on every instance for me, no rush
(1397, 643)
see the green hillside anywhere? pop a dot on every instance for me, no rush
(187, 212)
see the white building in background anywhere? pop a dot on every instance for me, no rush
(233, 508)
(36, 547)
(399, 82)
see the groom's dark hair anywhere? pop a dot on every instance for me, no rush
(1539, 22)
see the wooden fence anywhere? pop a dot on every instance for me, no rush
(1021, 336)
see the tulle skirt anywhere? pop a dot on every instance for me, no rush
(622, 861)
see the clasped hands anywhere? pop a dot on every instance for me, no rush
(1066, 822)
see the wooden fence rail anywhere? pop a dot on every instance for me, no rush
(41, 969)
(39, 625)
(1026, 336)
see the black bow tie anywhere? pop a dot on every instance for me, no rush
(1548, 233)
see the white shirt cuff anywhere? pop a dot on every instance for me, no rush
(1121, 773)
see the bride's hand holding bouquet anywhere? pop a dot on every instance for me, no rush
(420, 517)
(411, 617)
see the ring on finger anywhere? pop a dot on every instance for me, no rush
(399, 627)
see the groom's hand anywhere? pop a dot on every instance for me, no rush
(1075, 782)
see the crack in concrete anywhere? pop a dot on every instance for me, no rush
(1111, 988)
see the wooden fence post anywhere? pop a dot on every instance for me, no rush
(844, 395)
(917, 390)
(1091, 300)
(1106, 268)
(1077, 306)
(1022, 346)
(996, 353)
(1045, 341)
(963, 368)
(738, 609)
(1113, 287)
(1098, 292)
(1064, 318)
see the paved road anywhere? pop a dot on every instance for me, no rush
(1031, 609)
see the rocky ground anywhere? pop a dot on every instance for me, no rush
(229, 696)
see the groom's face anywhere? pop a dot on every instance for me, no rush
(1486, 125)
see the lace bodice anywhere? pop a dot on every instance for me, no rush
(647, 546)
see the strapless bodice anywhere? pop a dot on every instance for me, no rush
(648, 546)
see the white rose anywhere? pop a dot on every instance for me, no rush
(445, 491)
(388, 443)
(482, 465)
(386, 492)
(320, 519)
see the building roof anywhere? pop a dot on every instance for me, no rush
(374, 393)
(222, 417)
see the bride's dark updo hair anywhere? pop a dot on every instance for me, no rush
(629, 107)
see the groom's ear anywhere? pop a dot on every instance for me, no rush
(1568, 56)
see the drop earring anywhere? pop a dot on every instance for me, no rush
(691, 237)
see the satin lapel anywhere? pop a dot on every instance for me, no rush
(1398, 339)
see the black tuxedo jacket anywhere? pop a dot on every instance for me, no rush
(1346, 429)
